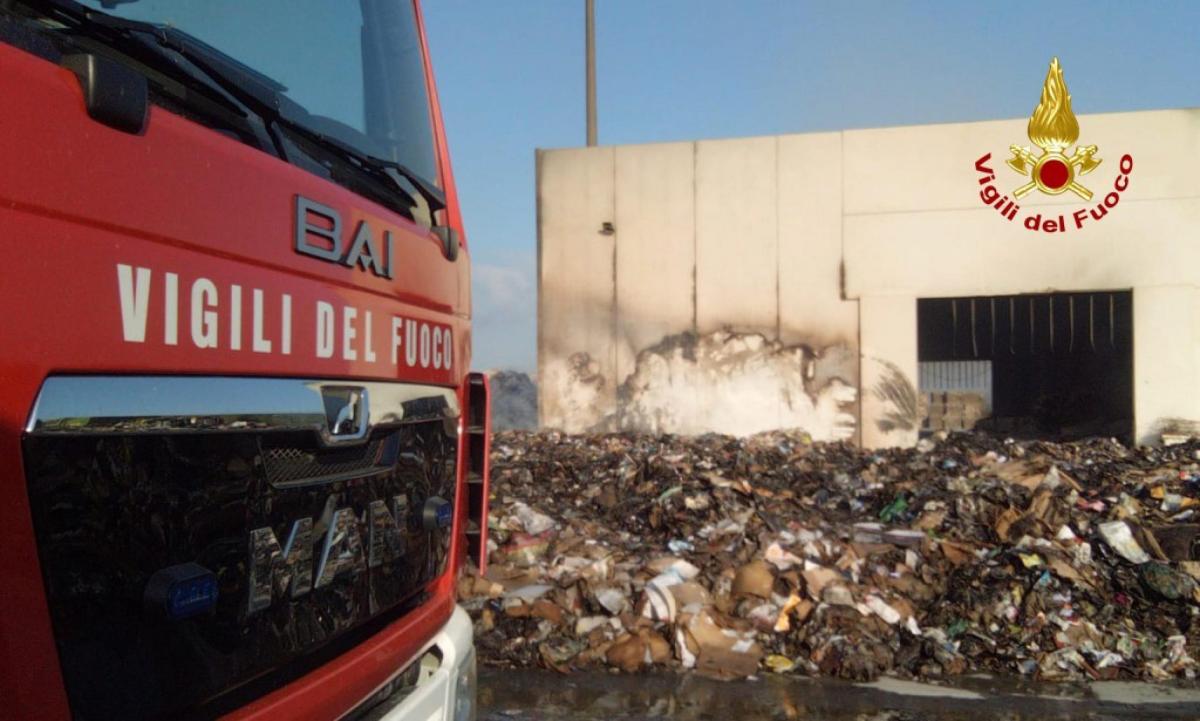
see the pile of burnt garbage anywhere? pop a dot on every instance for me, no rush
(735, 557)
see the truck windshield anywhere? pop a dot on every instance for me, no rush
(355, 67)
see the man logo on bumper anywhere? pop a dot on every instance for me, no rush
(288, 571)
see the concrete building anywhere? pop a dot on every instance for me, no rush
(867, 284)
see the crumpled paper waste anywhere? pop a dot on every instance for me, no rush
(772, 554)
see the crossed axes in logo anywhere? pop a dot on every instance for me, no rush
(1026, 163)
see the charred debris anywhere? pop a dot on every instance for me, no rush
(736, 557)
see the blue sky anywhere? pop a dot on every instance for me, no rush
(510, 74)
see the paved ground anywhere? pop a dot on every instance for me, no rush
(543, 695)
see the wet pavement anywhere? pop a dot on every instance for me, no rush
(519, 695)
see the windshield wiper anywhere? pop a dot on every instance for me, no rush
(173, 78)
(432, 194)
(265, 97)
(258, 93)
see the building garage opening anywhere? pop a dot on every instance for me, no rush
(1056, 366)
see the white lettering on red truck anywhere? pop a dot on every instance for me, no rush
(193, 312)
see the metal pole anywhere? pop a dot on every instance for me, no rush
(591, 71)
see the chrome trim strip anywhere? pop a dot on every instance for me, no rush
(169, 404)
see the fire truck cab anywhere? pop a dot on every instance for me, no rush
(242, 456)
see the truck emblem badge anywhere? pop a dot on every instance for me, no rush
(347, 413)
(319, 235)
(346, 544)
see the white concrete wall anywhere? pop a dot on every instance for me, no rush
(656, 246)
(1166, 358)
(823, 242)
(726, 310)
(812, 310)
(912, 202)
(576, 306)
(810, 241)
(888, 325)
(737, 277)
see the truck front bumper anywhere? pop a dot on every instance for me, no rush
(444, 676)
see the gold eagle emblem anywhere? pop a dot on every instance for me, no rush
(1054, 128)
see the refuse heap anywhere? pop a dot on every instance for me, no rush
(771, 553)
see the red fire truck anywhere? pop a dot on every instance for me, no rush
(242, 458)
